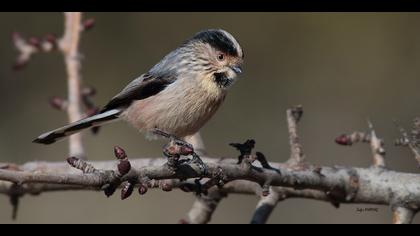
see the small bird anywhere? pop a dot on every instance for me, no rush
(178, 95)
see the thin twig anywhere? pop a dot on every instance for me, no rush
(265, 207)
(353, 138)
(378, 150)
(410, 142)
(376, 144)
(69, 46)
(297, 155)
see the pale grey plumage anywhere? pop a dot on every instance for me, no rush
(178, 95)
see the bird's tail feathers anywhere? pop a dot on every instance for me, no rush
(92, 121)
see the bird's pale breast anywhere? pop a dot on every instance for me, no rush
(180, 109)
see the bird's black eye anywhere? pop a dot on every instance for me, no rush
(221, 57)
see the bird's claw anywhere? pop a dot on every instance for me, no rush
(178, 147)
(197, 160)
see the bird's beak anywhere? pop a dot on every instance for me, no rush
(236, 69)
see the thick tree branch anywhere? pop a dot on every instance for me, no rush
(374, 186)
(277, 181)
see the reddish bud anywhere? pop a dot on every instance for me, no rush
(88, 24)
(72, 160)
(185, 150)
(57, 103)
(175, 149)
(19, 65)
(184, 222)
(172, 150)
(124, 167)
(13, 167)
(265, 193)
(143, 189)
(343, 140)
(166, 186)
(127, 190)
(52, 39)
(119, 153)
(35, 42)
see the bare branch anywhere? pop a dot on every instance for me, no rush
(376, 144)
(28, 47)
(297, 155)
(204, 207)
(378, 150)
(265, 207)
(269, 198)
(378, 186)
(353, 138)
(411, 142)
(69, 45)
(26, 50)
(276, 180)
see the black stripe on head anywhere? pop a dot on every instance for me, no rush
(217, 39)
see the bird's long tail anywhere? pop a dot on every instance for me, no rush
(92, 121)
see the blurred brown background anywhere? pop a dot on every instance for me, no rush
(342, 67)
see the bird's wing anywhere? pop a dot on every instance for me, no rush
(143, 87)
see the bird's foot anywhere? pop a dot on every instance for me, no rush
(177, 148)
(197, 160)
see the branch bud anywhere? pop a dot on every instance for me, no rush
(127, 190)
(88, 24)
(143, 189)
(344, 140)
(119, 153)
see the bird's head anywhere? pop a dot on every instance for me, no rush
(218, 54)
